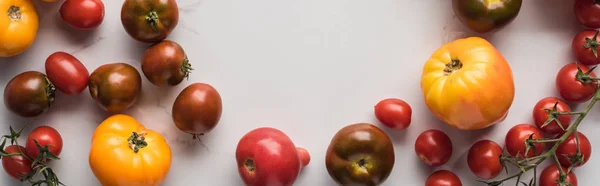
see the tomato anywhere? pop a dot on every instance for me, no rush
(461, 71)
(484, 159)
(569, 86)
(393, 113)
(82, 14)
(433, 147)
(115, 86)
(588, 13)
(67, 73)
(585, 46)
(29, 94)
(45, 136)
(540, 115)
(516, 138)
(18, 26)
(443, 178)
(125, 152)
(197, 109)
(569, 148)
(486, 16)
(149, 21)
(16, 166)
(166, 64)
(550, 175)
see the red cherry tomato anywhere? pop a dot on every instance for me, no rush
(67, 73)
(16, 166)
(433, 147)
(588, 13)
(569, 148)
(584, 44)
(45, 136)
(540, 115)
(393, 113)
(484, 159)
(550, 175)
(83, 14)
(516, 137)
(443, 178)
(571, 89)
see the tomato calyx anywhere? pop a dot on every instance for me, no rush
(584, 77)
(362, 165)
(249, 164)
(454, 65)
(186, 68)
(553, 116)
(50, 91)
(152, 19)
(137, 141)
(45, 154)
(592, 44)
(14, 13)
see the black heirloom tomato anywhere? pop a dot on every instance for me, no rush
(29, 94)
(165, 64)
(149, 20)
(486, 16)
(197, 109)
(115, 86)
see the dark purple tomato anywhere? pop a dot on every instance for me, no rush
(115, 86)
(197, 109)
(29, 94)
(166, 64)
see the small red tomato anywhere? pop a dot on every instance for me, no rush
(570, 87)
(433, 147)
(83, 14)
(540, 115)
(588, 13)
(67, 73)
(16, 166)
(45, 136)
(393, 113)
(569, 148)
(585, 47)
(443, 178)
(516, 137)
(550, 175)
(484, 159)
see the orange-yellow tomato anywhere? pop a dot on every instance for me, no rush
(468, 84)
(125, 153)
(19, 24)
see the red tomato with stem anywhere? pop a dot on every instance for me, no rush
(82, 14)
(484, 159)
(588, 13)
(433, 147)
(585, 46)
(394, 113)
(45, 136)
(574, 84)
(540, 115)
(515, 141)
(550, 175)
(67, 73)
(443, 178)
(569, 148)
(16, 166)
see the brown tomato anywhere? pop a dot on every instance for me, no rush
(197, 109)
(115, 86)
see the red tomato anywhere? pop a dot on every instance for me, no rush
(433, 147)
(443, 178)
(571, 89)
(67, 73)
(550, 175)
(540, 115)
(516, 137)
(393, 113)
(569, 148)
(585, 47)
(588, 13)
(484, 159)
(83, 14)
(45, 136)
(16, 166)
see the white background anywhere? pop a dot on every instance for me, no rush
(305, 67)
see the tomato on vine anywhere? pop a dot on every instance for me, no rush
(585, 46)
(547, 115)
(575, 83)
(16, 166)
(567, 151)
(516, 141)
(484, 159)
(46, 137)
(550, 176)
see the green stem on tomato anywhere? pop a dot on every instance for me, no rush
(542, 140)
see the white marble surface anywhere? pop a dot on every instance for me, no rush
(306, 67)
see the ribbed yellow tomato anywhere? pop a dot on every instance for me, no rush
(468, 84)
(18, 26)
(125, 153)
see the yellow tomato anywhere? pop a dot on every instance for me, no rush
(125, 153)
(18, 26)
(468, 84)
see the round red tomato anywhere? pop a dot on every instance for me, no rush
(585, 46)
(540, 115)
(83, 14)
(433, 147)
(569, 148)
(484, 159)
(570, 87)
(516, 137)
(67, 73)
(16, 166)
(45, 136)
(443, 178)
(550, 175)
(393, 113)
(588, 13)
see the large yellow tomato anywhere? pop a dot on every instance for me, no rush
(468, 84)
(19, 24)
(125, 153)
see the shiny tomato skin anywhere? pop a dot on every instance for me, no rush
(16, 166)
(197, 109)
(571, 89)
(585, 55)
(45, 136)
(540, 115)
(516, 137)
(484, 159)
(588, 13)
(394, 113)
(29, 94)
(443, 178)
(433, 147)
(149, 21)
(550, 174)
(569, 148)
(67, 73)
(83, 14)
